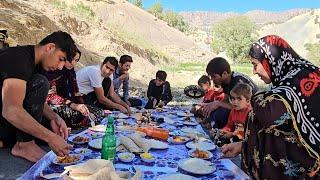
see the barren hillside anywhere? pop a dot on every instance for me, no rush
(298, 31)
(102, 28)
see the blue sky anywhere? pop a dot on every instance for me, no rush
(240, 6)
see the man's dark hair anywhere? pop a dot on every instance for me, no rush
(63, 41)
(204, 79)
(217, 66)
(112, 60)
(162, 75)
(125, 58)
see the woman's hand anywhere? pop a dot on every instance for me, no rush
(231, 150)
(81, 108)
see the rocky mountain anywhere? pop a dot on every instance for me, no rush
(204, 20)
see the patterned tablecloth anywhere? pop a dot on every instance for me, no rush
(166, 160)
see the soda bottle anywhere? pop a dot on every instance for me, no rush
(109, 142)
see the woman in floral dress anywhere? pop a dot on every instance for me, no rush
(282, 139)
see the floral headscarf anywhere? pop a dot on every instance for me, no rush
(297, 82)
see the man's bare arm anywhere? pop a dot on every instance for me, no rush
(116, 98)
(13, 94)
(104, 100)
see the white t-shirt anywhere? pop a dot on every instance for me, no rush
(89, 78)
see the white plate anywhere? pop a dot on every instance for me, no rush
(186, 139)
(183, 114)
(95, 135)
(196, 166)
(97, 143)
(70, 139)
(168, 120)
(122, 116)
(55, 161)
(190, 123)
(83, 151)
(130, 156)
(205, 146)
(176, 176)
(210, 155)
(98, 128)
(155, 144)
(190, 130)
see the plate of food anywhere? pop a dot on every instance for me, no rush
(178, 140)
(126, 156)
(184, 114)
(68, 160)
(80, 139)
(176, 176)
(97, 143)
(83, 151)
(95, 135)
(202, 145)
(147, 157)
(98, 128)
(155, 144)
(121, 116)
(196, 166)
(196, 153)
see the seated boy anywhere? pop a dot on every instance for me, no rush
(159, 91)
(212, 93)
(240, 96)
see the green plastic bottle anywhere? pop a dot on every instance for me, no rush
(109, 141)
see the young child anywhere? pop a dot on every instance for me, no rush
(159, 91)
(240, 96)
(212, 93)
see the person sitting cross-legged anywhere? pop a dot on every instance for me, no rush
(97, 88)
(23, 94)
(159, 91)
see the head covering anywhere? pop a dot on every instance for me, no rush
(3, 35)
(297, 82)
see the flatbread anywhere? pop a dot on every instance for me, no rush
(130, 145)
(141, 142)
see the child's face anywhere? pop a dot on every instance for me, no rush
(205, 86)
(239, 102)
(216, 87)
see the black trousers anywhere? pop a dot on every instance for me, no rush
(92, 99)
(36, 92)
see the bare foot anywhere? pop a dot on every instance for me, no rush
(28, 150)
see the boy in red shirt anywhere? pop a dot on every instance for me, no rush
(240, 97)
(212, 93)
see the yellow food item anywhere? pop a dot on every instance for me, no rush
(126, 156)
(147, 156)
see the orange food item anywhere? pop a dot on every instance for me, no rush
(200, 154)
(156, 133)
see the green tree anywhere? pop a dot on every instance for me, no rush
(175, 20)
(138, 3)
(156, 9)
(234, 36)
(313, 53)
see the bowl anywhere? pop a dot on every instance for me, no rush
(126, 157)
(147, 157)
